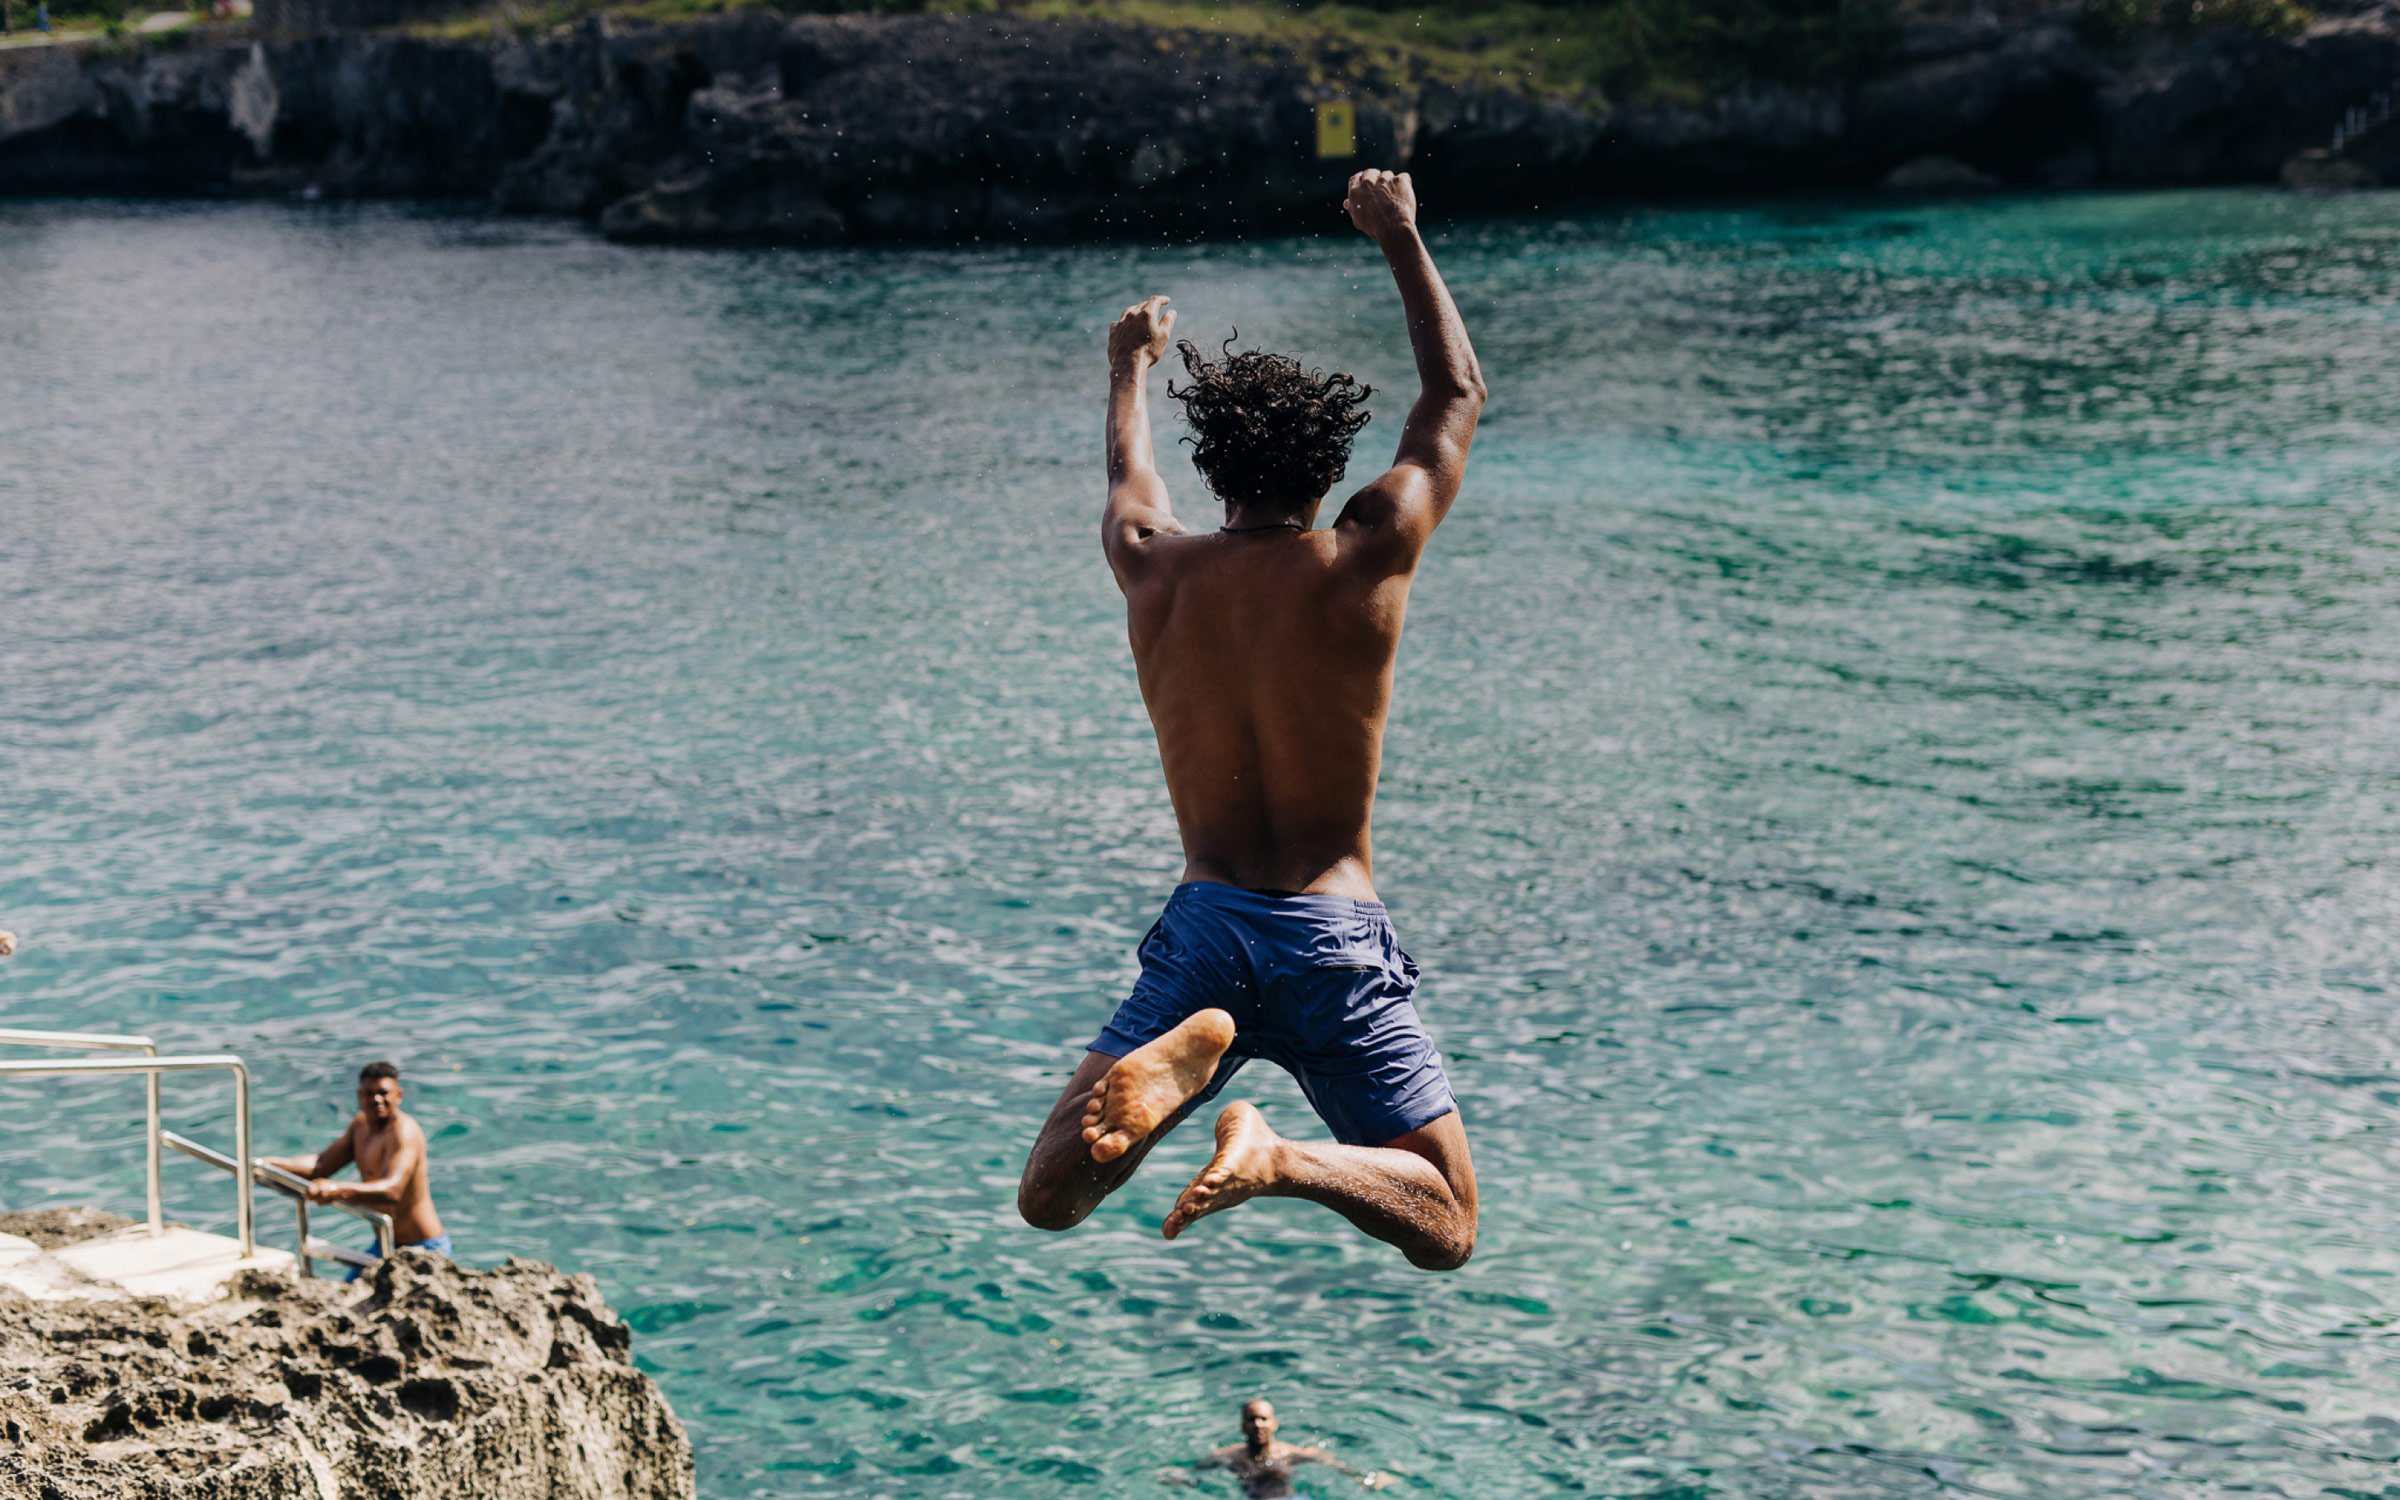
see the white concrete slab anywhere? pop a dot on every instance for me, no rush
(29, 1271)
(184, 1265)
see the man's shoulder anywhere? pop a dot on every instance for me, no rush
(1200, 559)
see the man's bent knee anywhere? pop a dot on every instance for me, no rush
(1447, 1248)
(1044, 1206)
(1447, 1254)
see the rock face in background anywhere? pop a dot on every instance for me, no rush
(2320, 171)
(1937, 175)
(821, 129)
(420, 1382)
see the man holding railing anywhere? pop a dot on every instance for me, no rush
(389, 1149)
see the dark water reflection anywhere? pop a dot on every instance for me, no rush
(1894, 790)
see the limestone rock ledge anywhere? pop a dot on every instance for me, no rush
(421, 1381)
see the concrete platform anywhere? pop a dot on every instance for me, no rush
(182, 1265)
(27, 1269)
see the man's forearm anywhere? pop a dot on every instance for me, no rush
(1129, 419)
(1445, 359)
(377, 1195)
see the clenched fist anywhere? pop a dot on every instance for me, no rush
(1141, 332)
(1381, 203)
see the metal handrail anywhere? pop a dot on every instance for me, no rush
(90, 1041)
(154, 1066)
(295, 1187)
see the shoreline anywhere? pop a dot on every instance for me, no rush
(751, 128)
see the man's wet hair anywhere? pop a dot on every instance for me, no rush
(1267, 430)
(379, 1069)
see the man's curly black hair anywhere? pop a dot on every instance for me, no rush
(1267, 430)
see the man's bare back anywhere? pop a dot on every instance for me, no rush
(1265, 651)
(1266, 662)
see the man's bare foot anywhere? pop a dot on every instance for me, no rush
(1243, 1167)
(1147, 1085)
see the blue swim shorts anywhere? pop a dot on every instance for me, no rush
(1316, 984)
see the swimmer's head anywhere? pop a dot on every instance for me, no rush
(1268, 433)
(1258, 1423)
(379, 1090)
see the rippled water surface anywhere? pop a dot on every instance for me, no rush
(1894, 788)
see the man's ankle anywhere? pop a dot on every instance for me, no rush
(1282, 1164)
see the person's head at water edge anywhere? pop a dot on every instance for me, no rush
(1258, 1424)
(379, 1090)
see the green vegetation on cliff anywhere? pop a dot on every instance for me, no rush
(1621, 48)
(2117, 21)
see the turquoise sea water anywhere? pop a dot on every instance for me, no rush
(1894, 788)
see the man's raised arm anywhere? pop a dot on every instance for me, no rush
(1410, 499)
(1137, 497)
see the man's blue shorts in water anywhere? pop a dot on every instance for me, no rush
(1316, 984)
(439, 1245)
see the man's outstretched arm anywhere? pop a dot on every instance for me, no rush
(1137, 497)
(1374, 1479)
(325, 1163)
(1410, 499)
(383, 1192)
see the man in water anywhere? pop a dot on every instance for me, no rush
(1265, 651)
(389, 1149)
(1263, 1467)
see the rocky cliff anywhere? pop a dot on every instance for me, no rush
(819, 129)
(421, 1382)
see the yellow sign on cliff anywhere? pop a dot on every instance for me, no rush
(1337, 128)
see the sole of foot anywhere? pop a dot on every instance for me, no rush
(1243, 1167)
(1147, 1085)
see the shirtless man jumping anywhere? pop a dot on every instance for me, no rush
(1265, 650)
(389, 1149)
